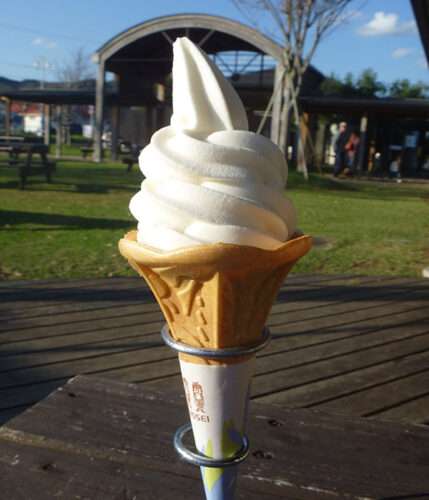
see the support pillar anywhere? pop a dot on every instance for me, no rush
(99, 113)
(59, 142)
(115, 122)
(304, 137)
(277, 104)
(363, 143)
(149, 123)
(319, 142)
(7, 116)
(47, 124)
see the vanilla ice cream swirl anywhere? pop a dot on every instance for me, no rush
(207, 178)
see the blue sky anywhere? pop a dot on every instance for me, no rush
(380, 34)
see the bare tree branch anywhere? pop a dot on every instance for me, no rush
(303, 24)
(77, 68)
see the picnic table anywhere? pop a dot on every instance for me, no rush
(86, 151)
(109, 440)
(29, 166)
(130, 154)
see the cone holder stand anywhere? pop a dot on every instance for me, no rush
(228, 352)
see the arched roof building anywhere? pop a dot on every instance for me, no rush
(141, 58)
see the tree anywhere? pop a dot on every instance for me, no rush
(76, 69)
(334, 86)
(302, 24)
(72, 72)
(368, 85)
(404, 88)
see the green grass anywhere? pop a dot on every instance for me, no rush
(70, 228)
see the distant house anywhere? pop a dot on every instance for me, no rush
(26, 96)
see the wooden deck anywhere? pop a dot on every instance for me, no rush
(349, 345)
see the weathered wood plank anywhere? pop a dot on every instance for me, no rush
(279, 317)
(336, 325)
(30, 392)
(29, 343)
(64, 283)
(6, 415)
(341, 384)
(42, 376)
(126, 287)
(373, 401)
(299, 380)
(39, 298)
(274, 388)
(12, 358)
(49, 314)
(29, 472)
(417, 407)
(71, 282)
(77, 317)
(300, 454)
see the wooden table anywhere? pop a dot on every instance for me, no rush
(29, 166)
(98, 439)
(358, 346)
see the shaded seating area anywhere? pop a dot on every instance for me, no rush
(386, 126)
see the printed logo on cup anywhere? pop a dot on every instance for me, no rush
(197, 391)
(196, 403)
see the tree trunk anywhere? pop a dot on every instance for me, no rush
(302, 162)
(284, 118)
(67, 126)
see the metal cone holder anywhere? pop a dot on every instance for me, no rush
(229, 352)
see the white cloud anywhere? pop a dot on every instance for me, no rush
(384, 23)
(44, 42)
(401, 52)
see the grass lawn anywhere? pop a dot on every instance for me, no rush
(70, 229)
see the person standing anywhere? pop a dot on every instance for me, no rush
(395, 168)
(352, 152)
(340, 149)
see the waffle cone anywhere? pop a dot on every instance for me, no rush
(216, 295)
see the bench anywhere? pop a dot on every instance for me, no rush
(130, 161)
(86, 150)
(7, 139)
(27, 166)
(35, 168)
(130, 154)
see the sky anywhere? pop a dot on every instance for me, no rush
(378, 34)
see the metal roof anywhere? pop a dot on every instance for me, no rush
(146, 49)
(56, 96)
(359, 106)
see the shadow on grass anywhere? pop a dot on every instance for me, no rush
(68, 187)
(319, 182)
(80, 179)
(11, 217)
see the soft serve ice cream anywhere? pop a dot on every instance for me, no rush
(207, 178)
(209, 181)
